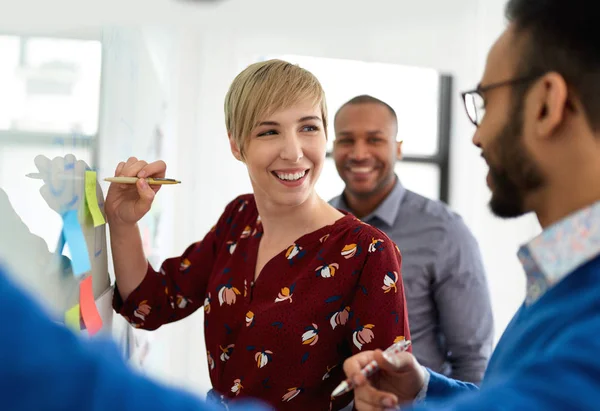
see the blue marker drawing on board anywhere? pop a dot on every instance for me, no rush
(63, 185)
(48, 169)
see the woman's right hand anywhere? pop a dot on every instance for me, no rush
(127, 203)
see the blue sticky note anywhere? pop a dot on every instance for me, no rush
(61, 243)
(80, 260)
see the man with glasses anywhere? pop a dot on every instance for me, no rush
(537, 113)
(449, 309)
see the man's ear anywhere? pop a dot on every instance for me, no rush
(235, 150)
(399, 150)
(550, 102)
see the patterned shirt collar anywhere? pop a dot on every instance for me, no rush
(559, 250)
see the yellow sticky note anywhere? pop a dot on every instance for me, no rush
(91, 200)
(72, 317)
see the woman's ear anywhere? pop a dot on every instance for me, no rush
(235, 150)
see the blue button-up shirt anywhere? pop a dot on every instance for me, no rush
(449, 309)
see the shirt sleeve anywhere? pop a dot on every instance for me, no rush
(178, 288)
(438, 386)
(463, 304)
(379, 307)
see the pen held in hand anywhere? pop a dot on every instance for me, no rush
(120, 180)
(371, 368)
(149, 180)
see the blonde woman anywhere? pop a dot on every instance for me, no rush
(290, 286)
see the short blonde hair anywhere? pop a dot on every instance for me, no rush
(265, 87)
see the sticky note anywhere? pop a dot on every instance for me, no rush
(80, 260)
(61, 243)
(89, 311)
(72, 318)
(91, 200)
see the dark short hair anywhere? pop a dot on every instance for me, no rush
(561, 36)
(366, 99)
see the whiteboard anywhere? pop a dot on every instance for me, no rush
(133, 123)
(118, 74)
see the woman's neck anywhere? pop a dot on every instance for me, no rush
(287, 223)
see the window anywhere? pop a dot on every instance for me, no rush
(421, 99)
(49, 105)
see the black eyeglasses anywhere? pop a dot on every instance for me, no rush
(475, 103)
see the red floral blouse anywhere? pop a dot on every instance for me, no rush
(282, 339)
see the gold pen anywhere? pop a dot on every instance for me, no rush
(150, 180)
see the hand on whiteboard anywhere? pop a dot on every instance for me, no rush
(64, 181)
(128, 203)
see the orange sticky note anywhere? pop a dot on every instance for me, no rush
(89, 311)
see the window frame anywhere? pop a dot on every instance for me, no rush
(49, 138)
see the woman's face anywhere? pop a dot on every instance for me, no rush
(285, 154)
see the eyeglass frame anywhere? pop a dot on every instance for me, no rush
(480, 90)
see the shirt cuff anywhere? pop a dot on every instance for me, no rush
(127, 306)
(422, 394)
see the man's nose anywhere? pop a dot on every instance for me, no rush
(359, 152)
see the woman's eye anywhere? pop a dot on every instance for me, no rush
(310, 128)
(267, 133)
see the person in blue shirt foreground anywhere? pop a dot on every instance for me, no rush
(540, 137)
(46, 367)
